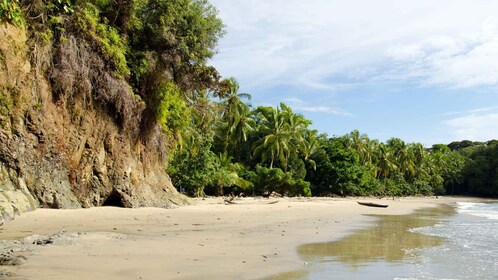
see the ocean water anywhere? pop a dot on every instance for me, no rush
(470, 249)
(444, 243)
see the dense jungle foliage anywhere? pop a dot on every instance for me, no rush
(145, 62)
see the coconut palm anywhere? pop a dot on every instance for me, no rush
(275, 142)
(418, 155)
(241, 126)
(232, 98)
(310, 147)
(402, 156)
(359, 143)
(385, 162)
(235, 114)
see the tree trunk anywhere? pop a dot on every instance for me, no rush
(220, 189)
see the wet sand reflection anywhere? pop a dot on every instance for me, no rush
(389, 240)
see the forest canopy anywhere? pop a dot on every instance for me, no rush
(146, 63)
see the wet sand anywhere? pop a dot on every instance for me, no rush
(365, 253)
(252, 239)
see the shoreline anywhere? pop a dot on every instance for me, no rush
(252, 239)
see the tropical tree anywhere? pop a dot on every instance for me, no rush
(310, 147)
(359, 143)
(193, 172)
(231, 97)
(402, 157)
(419, 155)
(385, 161)
(204, 115)
(242, 126)
(226, 174)
(237, 123)
(275, 142)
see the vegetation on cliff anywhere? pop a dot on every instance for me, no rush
(133, 57)
(144, 62)
(100, 96)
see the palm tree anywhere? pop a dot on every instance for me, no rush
(385, 163)
(275, 142)
(359, 143)
(232, 98)
(297, 123)
(402, 156)
(235, 114)
(242, 125)
(310, 147)
(418, 155)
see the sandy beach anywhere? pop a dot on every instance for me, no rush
(251, 239)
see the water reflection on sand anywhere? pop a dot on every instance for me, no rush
(389, 241)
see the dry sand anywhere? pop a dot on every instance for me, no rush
(251, 239)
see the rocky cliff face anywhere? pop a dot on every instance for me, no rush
(66, 156)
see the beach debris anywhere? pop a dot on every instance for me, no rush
(230, 200)
(273, 202)
(11, 257)
(5, 274)
(12, 261)
(43, 241)
(272, 194)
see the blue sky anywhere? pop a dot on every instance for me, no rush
(423, 71)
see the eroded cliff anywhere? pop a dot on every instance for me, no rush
(61, 144)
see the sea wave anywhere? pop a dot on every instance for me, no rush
(485, 210)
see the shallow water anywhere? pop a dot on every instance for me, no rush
(470, 250)
(390, 249)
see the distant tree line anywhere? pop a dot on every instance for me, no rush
(479, 175)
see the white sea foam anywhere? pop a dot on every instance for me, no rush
(486, 210)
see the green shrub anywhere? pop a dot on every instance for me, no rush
(11, 12)
(193, 172)
(275, 180)
(172, 111)
(106, 37)
(422, 187)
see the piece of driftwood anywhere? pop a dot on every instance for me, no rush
(229, 200)
(371, 204)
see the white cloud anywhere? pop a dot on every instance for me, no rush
(304, 106)
(463, 61)
(332, 44)
(470, 112)
(475, 126)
